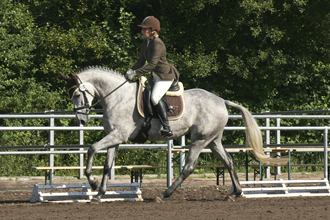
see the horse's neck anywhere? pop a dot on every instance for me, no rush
(113, 90)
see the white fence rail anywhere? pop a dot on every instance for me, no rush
(50, 147)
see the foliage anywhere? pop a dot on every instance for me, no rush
(266, 55)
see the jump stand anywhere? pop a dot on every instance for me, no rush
(83, 193)
(284, 188)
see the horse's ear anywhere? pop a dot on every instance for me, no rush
(64, 76)
(73, 76)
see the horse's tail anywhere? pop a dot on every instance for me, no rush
(254, 137)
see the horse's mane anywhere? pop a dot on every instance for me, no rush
(105, 69)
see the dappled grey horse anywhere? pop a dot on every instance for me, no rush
(204, 118)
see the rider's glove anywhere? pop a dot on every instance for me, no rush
(130, 74)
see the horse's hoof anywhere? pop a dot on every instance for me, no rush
(95, 201)
(94, 184)
(158, 200)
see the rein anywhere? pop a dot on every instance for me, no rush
(91, 106)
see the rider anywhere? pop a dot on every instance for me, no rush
(154, 52)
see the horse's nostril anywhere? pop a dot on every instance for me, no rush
(82, 122)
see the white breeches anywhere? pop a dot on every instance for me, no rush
(159, 89)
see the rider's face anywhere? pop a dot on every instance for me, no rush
(146, 32)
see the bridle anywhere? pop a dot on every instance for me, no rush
(82, 88)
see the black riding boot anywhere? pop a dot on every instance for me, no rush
(162, 114)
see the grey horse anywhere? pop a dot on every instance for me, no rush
(204, 118)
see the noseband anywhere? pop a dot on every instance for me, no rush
(81, 87)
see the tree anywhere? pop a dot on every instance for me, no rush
(74, 35)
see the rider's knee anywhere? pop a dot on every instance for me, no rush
(155, 99)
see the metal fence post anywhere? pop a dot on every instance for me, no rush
(169, 163)
(51, 142)
(326, 152)
(267, 173)
(182, 154)
(278, 141)
(81, 156)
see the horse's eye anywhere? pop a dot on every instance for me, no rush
(75, 96)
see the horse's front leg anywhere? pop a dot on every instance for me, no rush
(111, 154)
(112, 140)
(88, 172)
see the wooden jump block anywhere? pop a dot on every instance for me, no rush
(62, 194)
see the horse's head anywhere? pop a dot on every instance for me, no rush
(81, 94)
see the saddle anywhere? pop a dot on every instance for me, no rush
(173, 99)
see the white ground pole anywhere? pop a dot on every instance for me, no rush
(283, 188)
(65, 195)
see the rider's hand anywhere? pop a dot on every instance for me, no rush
(130, 74)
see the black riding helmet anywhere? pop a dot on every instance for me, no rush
(151, 22)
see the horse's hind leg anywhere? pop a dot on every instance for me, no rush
(111, 154)
(193, 154)
(217, 149)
